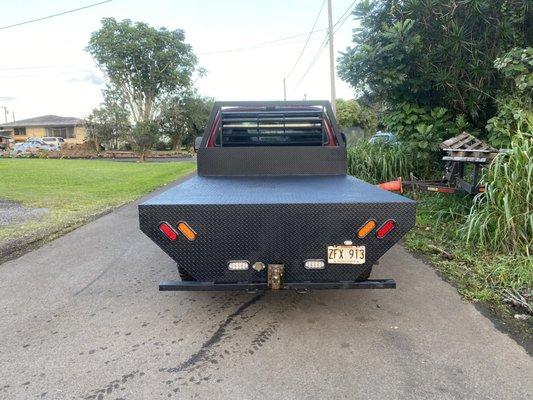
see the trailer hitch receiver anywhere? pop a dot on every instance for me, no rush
(275, 276)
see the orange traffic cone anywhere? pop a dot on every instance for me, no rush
(392, 186)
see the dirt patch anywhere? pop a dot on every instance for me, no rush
(12, 213)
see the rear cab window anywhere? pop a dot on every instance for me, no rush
(272, 126)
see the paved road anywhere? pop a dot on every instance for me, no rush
(82, 318)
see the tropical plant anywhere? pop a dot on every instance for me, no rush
(380, 161)
(422, 130)
(501, 218)
(435, 53)
(515, 100)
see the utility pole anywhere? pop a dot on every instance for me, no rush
(284, 90)
(331, 59)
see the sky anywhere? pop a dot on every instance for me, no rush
(44, 68)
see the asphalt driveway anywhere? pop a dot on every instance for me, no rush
(82, 318)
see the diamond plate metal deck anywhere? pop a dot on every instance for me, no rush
(274, 220)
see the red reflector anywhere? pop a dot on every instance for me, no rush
(385, 229)
(168, 231)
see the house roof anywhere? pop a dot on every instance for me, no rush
(45, 120)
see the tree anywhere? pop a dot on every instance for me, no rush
(144, 65)
(435, 53)
(143, 136)
(108, 123)
(350, 113)
(184, 117)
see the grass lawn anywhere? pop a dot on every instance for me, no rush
(75, 191)
(479, 274)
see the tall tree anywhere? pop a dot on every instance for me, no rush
(144, 65)
(435, 53)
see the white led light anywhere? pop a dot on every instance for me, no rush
(238, 265)
(315, 264)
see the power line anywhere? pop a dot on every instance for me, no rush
(313, 61)
(307, 41)
(345, 15)
(262, 44)
(54, 15)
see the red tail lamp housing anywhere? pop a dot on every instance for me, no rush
(385, 229)
(168, 231)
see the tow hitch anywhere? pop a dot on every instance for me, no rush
(275, 276)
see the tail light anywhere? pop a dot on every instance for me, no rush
(168, 231)
(385, 229)
(366, 228)
(187, 231)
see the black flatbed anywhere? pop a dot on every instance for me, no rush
(272, 206)
(274, 190)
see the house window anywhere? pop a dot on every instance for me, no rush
(66, 132)
(20, 131)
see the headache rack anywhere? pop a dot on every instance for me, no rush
(273, 138)
(271, 126)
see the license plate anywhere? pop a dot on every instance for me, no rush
(346, 254)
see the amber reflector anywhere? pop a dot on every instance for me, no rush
(385, 229)
(168, 231)
(366, 229)
(187, 231)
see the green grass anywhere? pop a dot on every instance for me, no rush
(75, 191)
(381, 162)
(479, 273)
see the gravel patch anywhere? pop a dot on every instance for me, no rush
(12, 213)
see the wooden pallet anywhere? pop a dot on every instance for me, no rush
(467, 148)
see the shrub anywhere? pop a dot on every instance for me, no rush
(515, 104)
(502, 217)
(351, 114)
(380, 162)
(422, 130)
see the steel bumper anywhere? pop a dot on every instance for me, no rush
(178, 285)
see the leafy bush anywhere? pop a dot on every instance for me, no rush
(422, 130)
(436, 53)
(502, 217)
(515, 101)
(351, 114)
(380, 162)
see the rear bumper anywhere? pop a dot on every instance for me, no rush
(253, 287)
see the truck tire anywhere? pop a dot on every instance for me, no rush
(184, 275)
